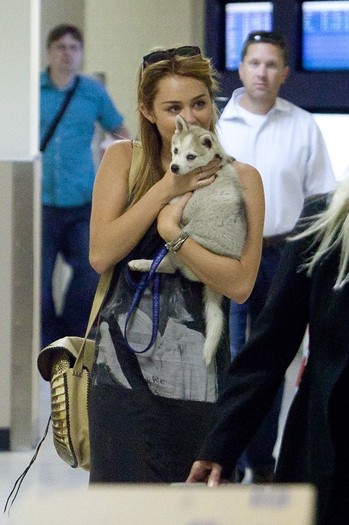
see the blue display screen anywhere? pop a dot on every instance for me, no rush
(325, 42)
(240, 19)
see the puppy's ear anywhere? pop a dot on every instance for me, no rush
(181, 124)
(206, 140)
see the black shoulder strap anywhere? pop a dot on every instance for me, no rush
(59, 115)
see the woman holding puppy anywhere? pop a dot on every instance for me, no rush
(152, 396)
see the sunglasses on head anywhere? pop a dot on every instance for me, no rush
(165, 54)
(268, 37)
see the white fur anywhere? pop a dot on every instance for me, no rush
(214, 217)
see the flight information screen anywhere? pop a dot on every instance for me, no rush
(325, 36)
(240, 19)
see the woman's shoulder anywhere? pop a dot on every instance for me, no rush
(120, 147)
(245, 169)
(116, 161)
(120, 153)
(252, 187)
(248, 175)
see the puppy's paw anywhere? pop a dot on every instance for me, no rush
(140, 265)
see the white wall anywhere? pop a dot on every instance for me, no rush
(54, 12)
(5, 293)
(19, 110)
(119, 33)
(19, 96)
(335, 130)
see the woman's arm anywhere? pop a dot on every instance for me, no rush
(233, 278)
(115, 231)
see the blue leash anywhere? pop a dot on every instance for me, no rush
(143, 283)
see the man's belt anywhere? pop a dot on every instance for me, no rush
(275, 240)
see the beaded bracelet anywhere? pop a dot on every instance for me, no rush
(173, 246)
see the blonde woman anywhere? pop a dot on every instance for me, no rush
(152, 396)
(311, 287)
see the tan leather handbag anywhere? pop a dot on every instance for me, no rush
(67, 364)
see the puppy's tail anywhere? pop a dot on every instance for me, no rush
(214, 323)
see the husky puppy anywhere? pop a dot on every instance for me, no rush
(214, 217)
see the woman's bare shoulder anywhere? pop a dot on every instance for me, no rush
(116, 160)
(247, 174)
(119, 148)
(244, 169)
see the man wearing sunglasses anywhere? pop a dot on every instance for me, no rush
(284, 143)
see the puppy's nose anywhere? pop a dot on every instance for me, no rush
(174, 168)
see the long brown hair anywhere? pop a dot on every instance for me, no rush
(150, 168)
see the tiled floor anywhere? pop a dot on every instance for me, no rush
(49, 473)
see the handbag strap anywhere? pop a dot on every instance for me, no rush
(59, 115)
(102, 288)
(101, 292)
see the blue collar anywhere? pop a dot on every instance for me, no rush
(46, 82)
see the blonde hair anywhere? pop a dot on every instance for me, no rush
(330, 231)
(150, 168)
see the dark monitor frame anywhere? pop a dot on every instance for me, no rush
(316, 91)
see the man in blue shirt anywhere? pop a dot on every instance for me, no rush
(68, 177)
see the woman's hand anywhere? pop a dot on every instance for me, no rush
(191, 181)
(181, 189)
(170, 216)
(207, 472)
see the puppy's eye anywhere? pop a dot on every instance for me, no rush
(175, 151)
(191, 156)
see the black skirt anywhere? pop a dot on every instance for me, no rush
(139, 437)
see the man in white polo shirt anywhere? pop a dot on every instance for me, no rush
(286, 146)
